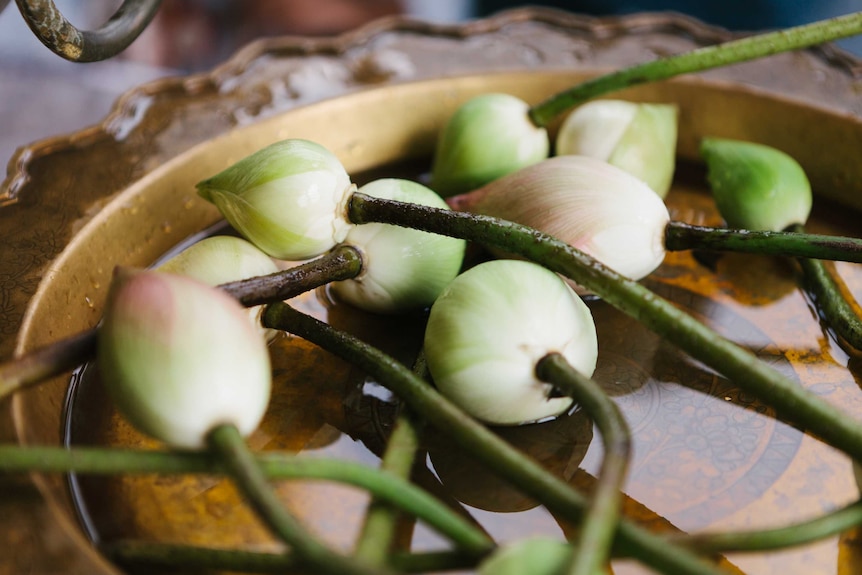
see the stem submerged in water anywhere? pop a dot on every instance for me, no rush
(591, 550)
(732, 52)
(520, 470)
(739, 365)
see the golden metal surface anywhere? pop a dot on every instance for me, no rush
(61, 236)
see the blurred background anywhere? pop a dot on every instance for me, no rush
(42, 94)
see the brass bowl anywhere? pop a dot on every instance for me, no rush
(123, 193)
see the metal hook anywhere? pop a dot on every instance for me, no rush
(65, 40)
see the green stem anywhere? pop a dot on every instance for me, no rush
(384, 486)
(487, 447)
(802, 533)
(341, 263)
(189, 558)
(592, 549)
(240, 463)
(741, 366)
(381, 519)
(706, 58)
(830, 301)
(64, 355)
(797, 244)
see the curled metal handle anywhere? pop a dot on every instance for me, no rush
(65, 40)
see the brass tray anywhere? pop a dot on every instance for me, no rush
(707, 456)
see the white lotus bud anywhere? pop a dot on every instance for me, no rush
(638, 138)
(180, 358)
(488, 137)
(491, 326)
(219, 260)
(402, 268)
(289, 199)
(587, 203)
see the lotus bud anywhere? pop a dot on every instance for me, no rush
(223, 259)
(535, 555)
(289, 199)
(491, 326)
(756, 187)
(488, 137)
(402, 268)
(180, 358)
(638, 138)
(587, 203)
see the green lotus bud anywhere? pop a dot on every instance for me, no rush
(223, 259)
(587, 203)
(289, 199)
(491, 326)
(488, 137)
(535, 555)
(180, 358)
(638, 138)
(756, 187)
(402, 268)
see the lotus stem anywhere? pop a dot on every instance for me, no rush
(830, 301)
(790, 400)
(522, 471)
(381, 519)
(797, 244)
(591, 550)
(241, 465)
(188, 557)
(343, 262)
(706, 58)
(802, 533)
(382, 485)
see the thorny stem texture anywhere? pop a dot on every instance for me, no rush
(795, 244)
(522, 471)
(343, 262)
(790, 401)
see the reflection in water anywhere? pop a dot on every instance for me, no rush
(559, 445)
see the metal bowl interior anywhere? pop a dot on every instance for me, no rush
(380, 129)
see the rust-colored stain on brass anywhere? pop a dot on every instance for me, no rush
(707, 456)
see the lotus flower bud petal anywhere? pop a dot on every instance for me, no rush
(587, 203)
(536, 555)
(491, 326)
(756, 187)
(402, 268)
(638, 138)
(488, 137)
(223, 259)
(180, 358)
(289, 199)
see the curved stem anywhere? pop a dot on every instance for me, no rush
(706, 58)
(381, 519)
(830, 301)
(187, 557)
(591, 551)
(240, 463)
(798, 244)
(343, 262)
(385, 486)
(828, 525)
(522, 471)
(790, 400)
